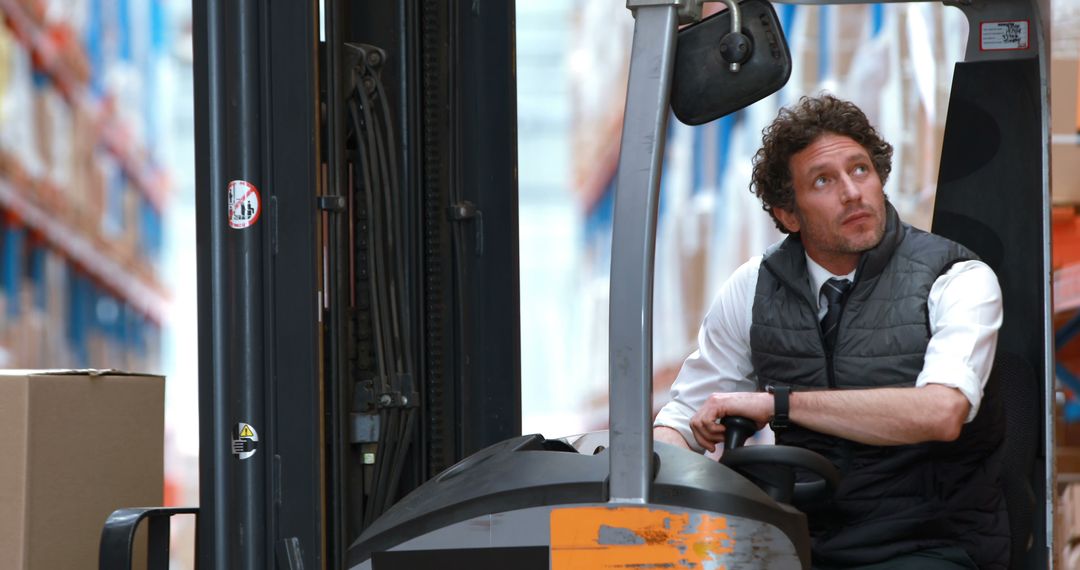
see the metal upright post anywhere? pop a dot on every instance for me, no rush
(209, 102)
(633, 246)
(231, 172)
(333, 203)
(246, 253)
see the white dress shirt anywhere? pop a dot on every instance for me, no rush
(965, 314)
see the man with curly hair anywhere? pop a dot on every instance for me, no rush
(865, 340)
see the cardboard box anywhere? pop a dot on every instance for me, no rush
(1065, 152)
(74, 447)
(1064, 173)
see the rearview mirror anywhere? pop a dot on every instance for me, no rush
(704, 87)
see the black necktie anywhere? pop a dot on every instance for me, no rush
(834, 290)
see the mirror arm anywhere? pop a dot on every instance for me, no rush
(689, 11)
(736, 28)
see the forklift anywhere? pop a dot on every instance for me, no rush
(358, 295)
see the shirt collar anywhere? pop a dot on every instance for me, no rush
(819, 275)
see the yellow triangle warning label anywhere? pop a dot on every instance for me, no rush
(246, 431)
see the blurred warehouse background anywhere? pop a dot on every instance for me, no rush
(97, 262)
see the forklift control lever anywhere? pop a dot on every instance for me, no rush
(773, 467)
(738, 430)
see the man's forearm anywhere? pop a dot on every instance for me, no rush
(875, 416)
(883, 416)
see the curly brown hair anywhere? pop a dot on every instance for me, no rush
(794, 129)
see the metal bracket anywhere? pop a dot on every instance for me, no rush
(402, 393)
(736, 28)
(362, 62)
(689, 11)
(331, 203)
(363, 428)
(464, 211)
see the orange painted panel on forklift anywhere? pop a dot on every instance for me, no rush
(636, 537)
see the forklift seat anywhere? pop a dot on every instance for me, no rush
(990, 198)
(1019, 390)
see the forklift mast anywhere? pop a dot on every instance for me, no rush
(358, 265)
(358, 269)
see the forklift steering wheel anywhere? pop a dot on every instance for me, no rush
(773, 467)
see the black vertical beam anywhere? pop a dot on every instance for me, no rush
(210, 100)
(490, 389)
(296, 422)
(441, 422)
(337, 379)
(235, 296)
(256, 99)
(242, 300)
(404, 88)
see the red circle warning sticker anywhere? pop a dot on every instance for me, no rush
(244, 204)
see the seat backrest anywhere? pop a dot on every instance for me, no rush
(1014, 378)
(990, 198)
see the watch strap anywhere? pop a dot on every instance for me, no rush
(781, 407)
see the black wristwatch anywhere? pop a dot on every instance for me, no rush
(781, 406)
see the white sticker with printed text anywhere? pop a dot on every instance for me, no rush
(1000, 36)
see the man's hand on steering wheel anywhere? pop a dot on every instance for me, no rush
(758, 406)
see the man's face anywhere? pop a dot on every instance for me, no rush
(839, 202)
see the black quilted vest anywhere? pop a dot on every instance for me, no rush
(892, 500)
